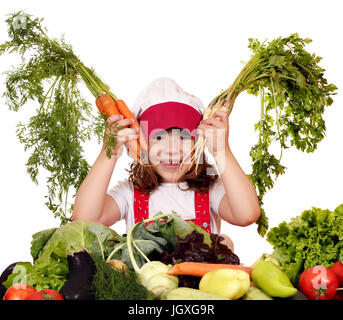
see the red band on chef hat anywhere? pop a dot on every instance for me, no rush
(163, 116)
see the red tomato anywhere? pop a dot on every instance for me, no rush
(46, 294)
(337, 268)
(318, 283)
(19, 291)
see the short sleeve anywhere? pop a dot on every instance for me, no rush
(122, 194)
(217, 191)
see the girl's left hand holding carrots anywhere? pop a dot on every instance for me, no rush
(216, 132)
(241, 207)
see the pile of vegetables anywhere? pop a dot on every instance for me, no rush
(169, 259)
(86, 260)
(307, 257)
(56, 251)
(309, 251)
(313, 238)
(293, 96)
(160, 240)
(89, 261)
(263, 281)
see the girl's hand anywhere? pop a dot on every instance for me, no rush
(124, 134)
(216, 132)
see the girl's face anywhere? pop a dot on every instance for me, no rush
(167, 149)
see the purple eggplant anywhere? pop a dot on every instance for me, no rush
(6, 273)
(81, 272)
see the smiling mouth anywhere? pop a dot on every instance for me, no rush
(170, 165)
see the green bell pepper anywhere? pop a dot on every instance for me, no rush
(272, 280)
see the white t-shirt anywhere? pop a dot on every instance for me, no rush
(166, 198)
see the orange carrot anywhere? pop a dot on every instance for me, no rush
(198, 269)
(126, 112)
(106, 105)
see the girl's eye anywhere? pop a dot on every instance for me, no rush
(185, 137)
(157, 137)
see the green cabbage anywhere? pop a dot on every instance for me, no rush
(313, 238)
(50, 248)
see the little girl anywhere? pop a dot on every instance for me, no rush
(171, 121)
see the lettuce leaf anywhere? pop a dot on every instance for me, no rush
(313, 238)
(39, 240)
(77, 236)
(207, 236)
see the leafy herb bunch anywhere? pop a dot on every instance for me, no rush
(293, 96)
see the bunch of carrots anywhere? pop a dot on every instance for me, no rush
(109, 106)
(50, 73)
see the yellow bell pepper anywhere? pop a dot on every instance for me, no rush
(227, 283)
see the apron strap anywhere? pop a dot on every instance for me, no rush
(201, 204)
(140, 205)
(202, 210)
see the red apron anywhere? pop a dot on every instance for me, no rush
(201, 201)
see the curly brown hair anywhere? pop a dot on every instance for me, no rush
(147, 180)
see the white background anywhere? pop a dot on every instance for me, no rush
(201, 45)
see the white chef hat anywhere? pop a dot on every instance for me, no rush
(164, 104)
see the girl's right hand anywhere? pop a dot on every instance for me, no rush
(124, 134)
